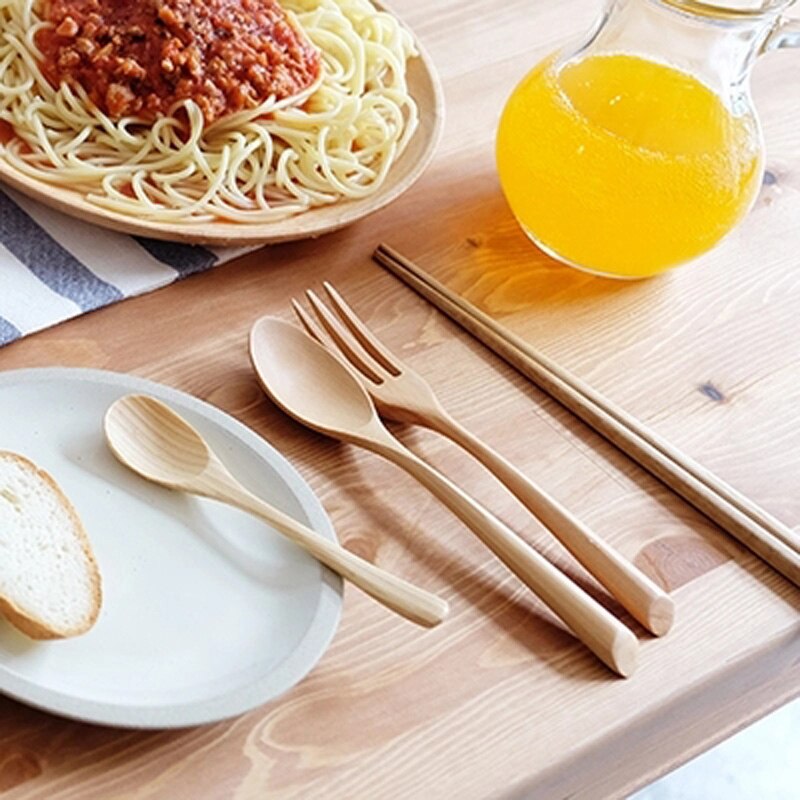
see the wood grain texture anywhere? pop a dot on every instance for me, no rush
(735, 513)
(499, 700)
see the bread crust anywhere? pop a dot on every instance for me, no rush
(30, 625)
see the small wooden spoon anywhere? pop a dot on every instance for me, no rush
(310, 384)
(158, 444)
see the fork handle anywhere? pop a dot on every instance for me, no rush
(645, 600)
(601, 632)
(400, 596)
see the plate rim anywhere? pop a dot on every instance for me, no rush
(290, 671)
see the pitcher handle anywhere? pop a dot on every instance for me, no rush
(785, 34)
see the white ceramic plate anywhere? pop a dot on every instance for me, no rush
(207, 612)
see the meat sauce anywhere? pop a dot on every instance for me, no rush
(6, 132)
(139, 57)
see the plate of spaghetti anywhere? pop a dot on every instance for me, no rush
(214, 121)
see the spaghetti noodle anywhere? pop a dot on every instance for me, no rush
(335, 139)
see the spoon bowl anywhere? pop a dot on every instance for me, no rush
(307, 382)
(154, 441)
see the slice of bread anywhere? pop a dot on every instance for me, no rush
(49, 580)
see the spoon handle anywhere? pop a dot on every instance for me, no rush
(602, 633)
(400, 596)
(644, 599)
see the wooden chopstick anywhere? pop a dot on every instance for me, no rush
(563, 377)
(754, 527)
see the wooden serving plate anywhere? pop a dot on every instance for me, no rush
(424, 87)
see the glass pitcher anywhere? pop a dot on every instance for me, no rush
(640, 149)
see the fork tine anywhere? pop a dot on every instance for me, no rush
(311, 327)
(359, 329)
(345, 342)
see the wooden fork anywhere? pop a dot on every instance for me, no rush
(402, 394)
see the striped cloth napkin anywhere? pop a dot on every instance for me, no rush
(54, 267)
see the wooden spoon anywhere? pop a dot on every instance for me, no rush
(310, 384)
(158, 444)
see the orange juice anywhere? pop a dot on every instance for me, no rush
(625, 166)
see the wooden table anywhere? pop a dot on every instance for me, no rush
(500, 700)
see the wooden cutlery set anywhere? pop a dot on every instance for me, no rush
(337, 378)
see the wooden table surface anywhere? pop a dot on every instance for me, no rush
(499, 700)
